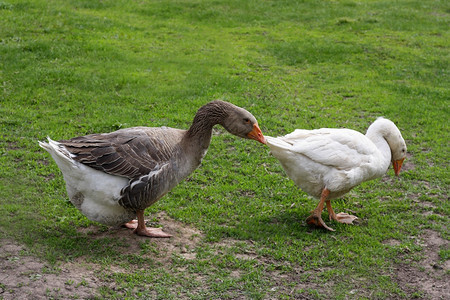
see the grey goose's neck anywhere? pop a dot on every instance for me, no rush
(206, 117)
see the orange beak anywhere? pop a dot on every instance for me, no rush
(256, 134)
(397, 164)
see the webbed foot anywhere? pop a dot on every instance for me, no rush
(345, 218)
(151, 232)
(317, 221)
(141, 229)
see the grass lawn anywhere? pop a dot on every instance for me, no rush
(70, 68)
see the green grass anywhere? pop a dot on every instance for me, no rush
(70, 68)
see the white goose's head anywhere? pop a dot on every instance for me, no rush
(390, 132)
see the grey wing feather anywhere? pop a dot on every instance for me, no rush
(142, 192)
(126, 153)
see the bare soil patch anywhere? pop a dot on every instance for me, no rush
(183, 240)
(429, 278)
(408, 164)
(27, 277)
(296, 282)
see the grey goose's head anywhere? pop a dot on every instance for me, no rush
(234, 119)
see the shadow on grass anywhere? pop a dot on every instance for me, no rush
(267, 229)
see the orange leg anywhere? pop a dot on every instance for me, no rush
(331, 213)
(316, 217)
(140, 228)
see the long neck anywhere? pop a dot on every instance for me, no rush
(207, 116)
(377, 137)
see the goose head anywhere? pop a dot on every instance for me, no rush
(398, 153)
(390, 132)
(234, 119)
(243, 124)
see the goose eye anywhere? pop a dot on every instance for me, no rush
(247, 120)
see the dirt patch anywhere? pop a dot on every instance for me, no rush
(392, 242)
(427, 208)
(408, 164)
(286, 278)
(429, 278)
(183, 241)
(26, 277)
(426, 279)
(12, 146)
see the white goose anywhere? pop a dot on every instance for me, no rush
(327, 163)
(112, 177)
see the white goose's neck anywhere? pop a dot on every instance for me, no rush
(383, 146)
(377, 135)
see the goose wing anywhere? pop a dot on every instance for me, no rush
(342, 149)
(131, 152)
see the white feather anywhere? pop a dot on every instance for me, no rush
(93, 192)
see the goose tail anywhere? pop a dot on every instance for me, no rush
(57, 150)
(277, 143)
